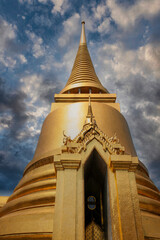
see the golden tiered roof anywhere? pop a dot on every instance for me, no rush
(83, 77)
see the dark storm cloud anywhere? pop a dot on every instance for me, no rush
(143, 128)
(155, 33)
(154, 169)
(132, 38)
(142, 119)
(139, 88)
(151, 109)
(144, 89)
(50, 86)
(145, 135)
(2, 157)
(16, 152)
(8, 172)
(14, 155)
(13, 160)
(13, 102)
(6, 122)
(47, 95)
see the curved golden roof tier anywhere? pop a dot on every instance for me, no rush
(72, 123)
(83, 77)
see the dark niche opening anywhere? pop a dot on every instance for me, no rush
(96, 197)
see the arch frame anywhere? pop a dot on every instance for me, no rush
(124, 203)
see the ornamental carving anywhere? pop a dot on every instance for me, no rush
(89, 132)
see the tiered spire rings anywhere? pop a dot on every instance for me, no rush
(83, 78)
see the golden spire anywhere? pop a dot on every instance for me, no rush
(83, 35)
(89, 117)
(89, 114)
(83, 78)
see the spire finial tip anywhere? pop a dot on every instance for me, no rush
(83, 37)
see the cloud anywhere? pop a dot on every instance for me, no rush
(42, 20)
(70, 29)
(12, 163)
(39, 91)
(150, 54)
(38, 49)
(5, 121)
(37, 88)
(30, 85)
(134, 74)
(90, 21)
(122, 62)
(21, 117)
(43, 1)
(7, 61)
(126, 16)
(22, 58)
(143, 118)
(99, 11)
(7, 32)
(8, 35)
(12, 108)
(104, 27)
(60, 6)
(10, 49)
(50, 86)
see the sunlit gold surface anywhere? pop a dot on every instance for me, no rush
(43, 236)
(71, 98)
(71, 118)
(83, 36)
(30, 206)
(3, 200)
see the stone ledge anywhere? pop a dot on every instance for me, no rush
(124, 162)
(67, 161)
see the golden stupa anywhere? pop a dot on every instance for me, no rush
(85, 180)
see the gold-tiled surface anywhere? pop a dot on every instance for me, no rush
(93, 231)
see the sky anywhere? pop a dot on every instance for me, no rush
(38, 44)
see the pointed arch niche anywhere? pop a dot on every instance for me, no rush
(91, 170)
(96, 194)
